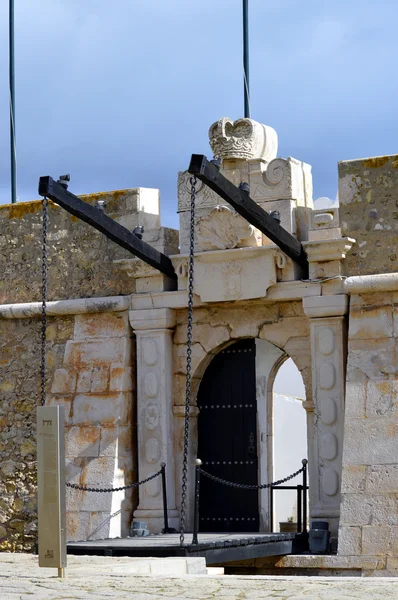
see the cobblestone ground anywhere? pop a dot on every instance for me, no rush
(21, 579)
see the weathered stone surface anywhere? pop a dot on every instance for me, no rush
(382, 479)
(368, 213)
(353, 479)
(376, 539)
(350, 541)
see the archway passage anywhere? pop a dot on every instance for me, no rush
(227, 440)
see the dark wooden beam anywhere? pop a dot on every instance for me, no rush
(100, 221)
(250, 210)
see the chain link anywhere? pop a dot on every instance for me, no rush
(243, 486)
(44, 302)
(184, 484)
(86, 488)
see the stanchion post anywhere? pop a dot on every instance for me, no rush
(198, 463)
(271, 509)
(164, 490)
(299, 508)
(305, 463)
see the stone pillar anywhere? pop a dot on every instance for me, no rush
(328, 353)
(153, 329)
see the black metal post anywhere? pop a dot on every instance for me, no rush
(246, 57)
(271, 509)
(164, 489)
(196, 504)
(12, 103)
(305, 463)
(299, 508)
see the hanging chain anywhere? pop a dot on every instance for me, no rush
(193, 182)
(243, 486)
(44, 302)
(86, 488)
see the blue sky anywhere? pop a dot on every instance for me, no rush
(120, 93)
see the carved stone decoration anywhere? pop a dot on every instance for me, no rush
(243, 139)
(328, 411)
(233, 281)
(330, 482)
(205, 197)
(282, 179)
(150, 351)
(329, 446)
(152, 488)
(224, 229)
(241, 273)
(326, 342)
(152, 450)
(151, 385)
(327, 376)
(152, 417)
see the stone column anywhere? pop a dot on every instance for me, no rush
(328, 354)
(153, 329)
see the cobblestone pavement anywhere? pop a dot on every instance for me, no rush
(21, 579)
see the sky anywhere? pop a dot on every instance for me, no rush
(120, 93)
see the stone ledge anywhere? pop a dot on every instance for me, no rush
(65, 307)
(314, 561)
(368, 284)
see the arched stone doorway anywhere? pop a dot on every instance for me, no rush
(235, 434)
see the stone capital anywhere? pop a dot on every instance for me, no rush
(153, 318)
(327, 250)
(326, 306)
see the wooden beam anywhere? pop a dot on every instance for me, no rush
(100, 221)
(248, 208)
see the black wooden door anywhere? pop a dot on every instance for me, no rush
(227, 440)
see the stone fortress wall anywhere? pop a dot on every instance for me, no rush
(117, 343)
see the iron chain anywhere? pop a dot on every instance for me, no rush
(243, 486)
(44, 302)
(184, 483)
(86, 488)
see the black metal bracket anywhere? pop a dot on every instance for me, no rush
(109, 227)
(248, 208)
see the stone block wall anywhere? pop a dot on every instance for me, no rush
(369, 510)
(368, 196)
(90, 372)
(80, 259)
(19, 389)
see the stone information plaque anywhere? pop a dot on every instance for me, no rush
(51, 486)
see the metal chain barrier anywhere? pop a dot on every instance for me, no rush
(86, 488)
(243, 486)
(193, 182)
(43, 302)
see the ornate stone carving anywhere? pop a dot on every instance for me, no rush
(152, 417)
(232, 279)
(223, 229)
(241, 273)
(330, 482)
(327, 376)
(152, 450)
(205, 197)
(283, 179)
(151, 385)
(152, 488)
(328, 447)
(243, 139)
(326, 342)
(328, 411)
(150, 351)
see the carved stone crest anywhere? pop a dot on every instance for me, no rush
(245, 139)
(224, 229)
